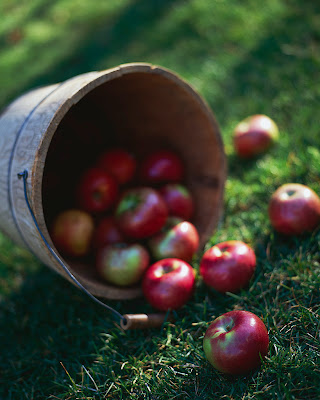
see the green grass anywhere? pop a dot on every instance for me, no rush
(244, 57)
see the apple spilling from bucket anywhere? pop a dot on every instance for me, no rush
(135, 219)
(132, 221)
(293, 208)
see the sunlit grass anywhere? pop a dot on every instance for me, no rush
(244, 57)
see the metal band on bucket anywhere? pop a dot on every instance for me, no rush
(127, 321)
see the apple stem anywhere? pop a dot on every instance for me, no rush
(225, 248)
(229, 326)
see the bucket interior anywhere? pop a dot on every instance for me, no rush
(140, 112)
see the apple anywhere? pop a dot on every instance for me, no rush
(72, 231)
(97, 190)
(122, 265)
(160, 167)
(228, 266)
(106, 232)
(179, 239)
(119, 163)
(294, 209)
(140, 212)
(168, 283)
(254, 135)
(236, 342)
(178, 199)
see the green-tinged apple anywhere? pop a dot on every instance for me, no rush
(140, 212)
(254, 135)
(72, 231)
(236, 342)
(294, 209)
(178, 239)
(122, 264)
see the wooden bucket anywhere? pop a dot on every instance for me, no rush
(55, 132)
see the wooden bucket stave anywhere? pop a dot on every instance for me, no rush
(137, 105)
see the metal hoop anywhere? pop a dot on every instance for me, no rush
(24, 175)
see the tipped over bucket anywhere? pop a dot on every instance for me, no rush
(58, 129)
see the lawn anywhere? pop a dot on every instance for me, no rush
(244, 57)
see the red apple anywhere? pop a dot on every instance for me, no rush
(179, 239)
(236, 342)
(72, 232)
(119, 163)
(97, 190)
(254, 135)
(228, 266)
(294, 209)
(178, 199)
(106, 232)
(122, 265)
(140, 212)
(168, 284)
(161, 166)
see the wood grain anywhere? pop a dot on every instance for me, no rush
(59, 129)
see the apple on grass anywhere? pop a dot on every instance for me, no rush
(254, 135)
(178, 239)
(72, 231)
(122, 264)
(236, 342)
(294, 209)
(97, 190)
(228, 266)
(140, 212)
(178, 200)
(168, 284)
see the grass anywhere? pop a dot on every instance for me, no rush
(244, 57)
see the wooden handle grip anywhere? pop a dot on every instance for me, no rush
(144, 321)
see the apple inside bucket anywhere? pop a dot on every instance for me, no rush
(143, 109)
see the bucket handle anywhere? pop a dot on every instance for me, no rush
(127, 321)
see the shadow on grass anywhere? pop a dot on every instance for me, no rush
(238, 167)
(47, 322)
(276, 77)
(281, 59)
(88, 45)
(98, 42)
